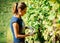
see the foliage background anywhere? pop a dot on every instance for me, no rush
(40, 15)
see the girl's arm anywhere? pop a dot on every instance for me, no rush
(16, 31)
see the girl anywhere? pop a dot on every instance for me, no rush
(17, 23)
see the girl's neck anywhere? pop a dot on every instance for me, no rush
(17, 15)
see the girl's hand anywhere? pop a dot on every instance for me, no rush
(27, 34)
(30, 34)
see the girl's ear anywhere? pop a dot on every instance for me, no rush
(19, 10)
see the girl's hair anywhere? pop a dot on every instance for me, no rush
(21, 5)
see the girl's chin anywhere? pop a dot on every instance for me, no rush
(22, 15)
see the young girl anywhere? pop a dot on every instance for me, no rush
(17, 24)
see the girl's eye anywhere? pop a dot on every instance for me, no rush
(24, 11)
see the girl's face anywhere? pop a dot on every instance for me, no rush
(22, 12)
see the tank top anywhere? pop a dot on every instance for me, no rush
(21, 28)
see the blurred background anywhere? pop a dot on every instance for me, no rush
(42, 15)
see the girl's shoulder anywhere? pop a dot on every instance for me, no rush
(14, 19)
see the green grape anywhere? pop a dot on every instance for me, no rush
(40, 15)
